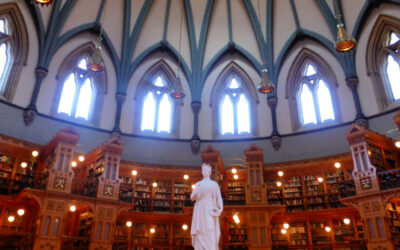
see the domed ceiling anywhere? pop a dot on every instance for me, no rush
(205, 37)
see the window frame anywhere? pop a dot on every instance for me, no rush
(295, 81)
(18, 45)
(98, 81)
(376, 58)
(146, 85)
(218, 93)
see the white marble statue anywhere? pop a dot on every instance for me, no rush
(205, 229)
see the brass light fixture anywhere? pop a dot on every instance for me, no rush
(94, 62)
(177, 92)
(344, 42)
(42, 2)
(265, 86)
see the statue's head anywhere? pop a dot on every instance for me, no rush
(206, 170)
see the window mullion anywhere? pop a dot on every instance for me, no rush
(77, 94)
(235, 115)
(316, 101)
(157, 99)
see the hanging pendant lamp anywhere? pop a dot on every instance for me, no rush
(95, 63)
(178, 92)
(344, 42)
(265, 86)
(42, 2)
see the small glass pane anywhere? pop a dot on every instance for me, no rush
(149, 110)
(227, 116)
(310, 70)
(2, 26)
(243, 115)
(393, 74)
(67, 95)
(325, 102)
(394, 38)
(164, 115)
(234, 84)
(159, 82)
(3, 61)
(307, 105)
(83, 64)
(85, 100)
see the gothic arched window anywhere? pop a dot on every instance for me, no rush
(13, 47)
(311, 91)
(233, 100)
(156, 112)
(383, 60)
(80, 91)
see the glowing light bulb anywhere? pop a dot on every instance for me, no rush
(236, 177)
(285, 225)
(280, 173)
(81, 158)
(129, 223)
(186, 177)
(11, 218)
(234, 170)
(337, 165)
(237, 221)
(155, 184)
(328, 229)
(346, 221)
(20, 212)
(320, 179)
(184, 227)
(193, 186)
(152, 230)
(397, 144)
(72, 208)
(283, 231)
(134, 172)
(24, 164)
(35, 153)
(278, 183)
(73, 164)
(235, 217)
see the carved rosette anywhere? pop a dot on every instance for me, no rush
(29, 115)
(272, 101)
(362, 122)
(195, 144)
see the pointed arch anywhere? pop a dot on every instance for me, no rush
(299, 75)
(72, 65)
(161, 93)
(378, 51)
(244, 89)
(17, 41)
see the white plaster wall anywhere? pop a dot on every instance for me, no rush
(75, 18)
(283, 25)
(198, 8)
(218, 35)
(153, 27)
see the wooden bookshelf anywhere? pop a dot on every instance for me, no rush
(279, 240)
(314, 192)
(342, 232)
(85, 224)
(318, 233)
(382, 158)
(143, 195)
(293, 194)
(274, 193)
(235, 193)
(181, 194)
(298, 233)
(181, 238)
(393, 214)
(121, 232)
(140, 233)
(162, 197)
(161, 236)
(237, 234)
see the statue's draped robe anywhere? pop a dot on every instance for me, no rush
(205, 223)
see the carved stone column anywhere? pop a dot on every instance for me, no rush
(31, 111)
(195, 142)
(275, 136)
(120, 98)
(360, 120)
